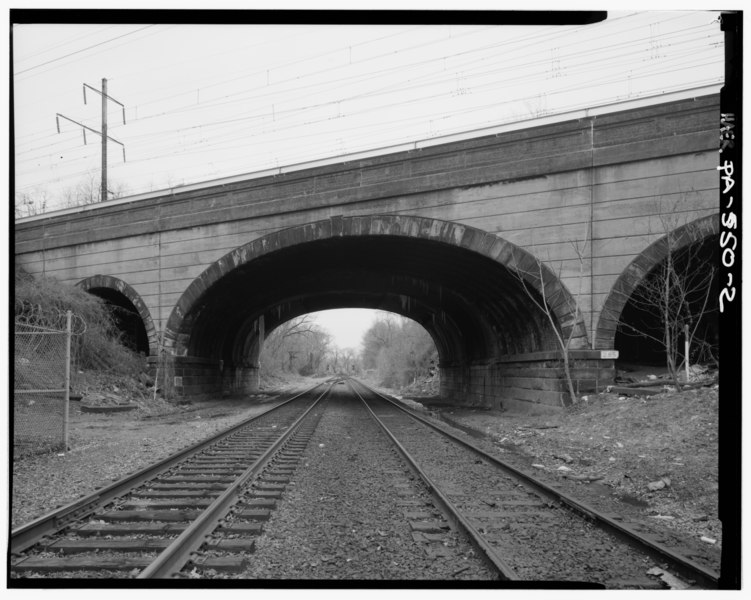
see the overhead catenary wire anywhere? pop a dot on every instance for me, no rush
(491, 86)
(302, 154)
(82, 50)
(288, 157)
(292, 92)
(324, 97)
(528, 39)
(279, 113)
(240, 119)
(401, 67)
(68, 41)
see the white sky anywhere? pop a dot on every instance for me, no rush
(209, 101)
(347, 325)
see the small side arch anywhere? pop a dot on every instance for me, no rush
(114, 289)
(640, 267)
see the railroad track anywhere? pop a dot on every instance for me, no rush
(524, 529)
(194, 514)
(198, 514)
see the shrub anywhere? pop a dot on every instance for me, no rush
(43, 301)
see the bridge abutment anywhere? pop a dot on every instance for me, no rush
(193, 376)
(533, 381)
(186, 376)
(242, 379)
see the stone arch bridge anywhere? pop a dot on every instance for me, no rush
(453, 232)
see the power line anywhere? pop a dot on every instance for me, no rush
(67, 42)
(338, 83)
(294, 91)
(602, 66)
(59, 58)
(586, 67)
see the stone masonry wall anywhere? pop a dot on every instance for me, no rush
(526, 382)
(187, 376)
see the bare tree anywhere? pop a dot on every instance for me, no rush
(349, 359)
(398, 349)
(89, 191)
(537, 293)
(28, 204)
(299, 339)
(678, 294)
(86, 191)
(380, 335)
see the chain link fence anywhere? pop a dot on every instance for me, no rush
(41, 383)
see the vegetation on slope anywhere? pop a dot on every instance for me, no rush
(96, 344)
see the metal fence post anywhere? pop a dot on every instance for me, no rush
(66, 407)
(686, 349)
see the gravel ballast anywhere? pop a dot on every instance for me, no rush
(354, 511)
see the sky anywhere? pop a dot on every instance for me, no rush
(192, 103)
(347, 325)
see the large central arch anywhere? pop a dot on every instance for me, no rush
(460, 283)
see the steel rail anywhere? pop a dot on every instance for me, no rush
(682, 564)
(486, 551)
(177, 554)
(27, 535)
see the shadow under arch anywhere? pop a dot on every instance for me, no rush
(640, 267)
(117, 287)
(443, 234)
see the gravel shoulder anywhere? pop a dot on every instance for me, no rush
(108, 446)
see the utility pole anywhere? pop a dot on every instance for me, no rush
(102, 133)
(104, 138)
